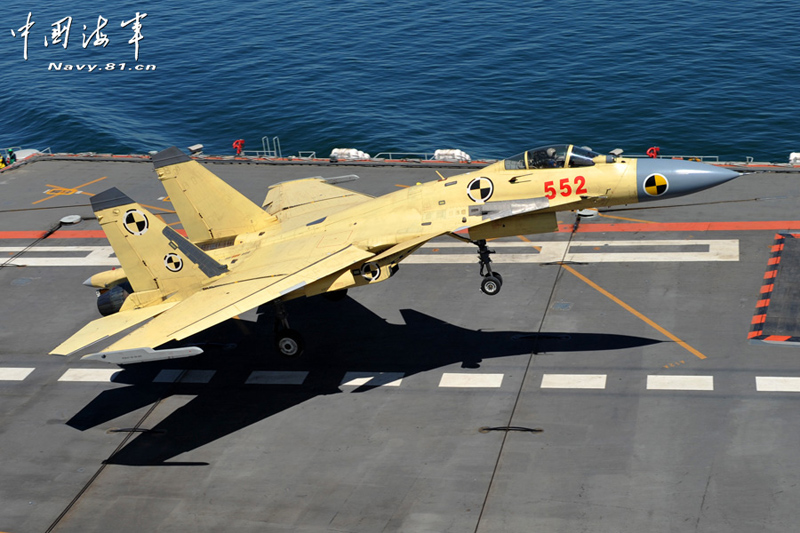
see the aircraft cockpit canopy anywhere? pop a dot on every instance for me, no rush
(553, 156)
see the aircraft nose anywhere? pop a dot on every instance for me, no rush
(666, 178)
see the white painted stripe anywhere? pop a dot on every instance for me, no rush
(14, 374)
(198, 376)
(471, 380)
(90, 256)
(777, 384)
(90, 374)
(718, 250)
(171, 375)
(574, 381)
(550, 251)
(373, 379)
(702, 383)
(263, 377)
(168, 375)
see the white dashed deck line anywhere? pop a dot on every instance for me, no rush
(198, 376)
(14, 374)
(395, 379)
(461, 380)
(168, 375)
(777, 384)
(698, 383)
(263, 377)
(574, 381)
(171, 375)
(372, 379)
(90, 374)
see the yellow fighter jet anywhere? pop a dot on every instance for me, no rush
(311, 237)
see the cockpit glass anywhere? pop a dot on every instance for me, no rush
(582, 157)
(552, 156)
(516, 162)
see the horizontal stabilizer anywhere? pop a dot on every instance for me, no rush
(105, 327)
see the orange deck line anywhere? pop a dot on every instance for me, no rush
(761, 225)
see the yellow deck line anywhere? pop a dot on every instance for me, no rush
(630, 309)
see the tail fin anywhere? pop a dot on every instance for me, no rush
(153, 255)
(208, 207)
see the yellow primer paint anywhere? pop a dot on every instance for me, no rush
(311, 236)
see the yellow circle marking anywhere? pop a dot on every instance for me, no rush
(655, 185)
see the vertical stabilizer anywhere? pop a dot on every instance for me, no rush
(153, 255)
(208, 207)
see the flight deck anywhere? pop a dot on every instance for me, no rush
(611, 385)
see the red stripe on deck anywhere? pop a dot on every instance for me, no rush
(771, 225)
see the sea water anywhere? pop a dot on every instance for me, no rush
(490, 78)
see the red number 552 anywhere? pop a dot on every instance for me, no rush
(564, 187)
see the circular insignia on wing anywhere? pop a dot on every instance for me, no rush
(173, 262)
(480, 189)
(371, 271)
(135, 222)
(655, 185)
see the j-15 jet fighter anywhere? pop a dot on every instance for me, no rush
(311, 236)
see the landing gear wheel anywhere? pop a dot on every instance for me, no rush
(491, 285)
(498, 276)
(289, 343)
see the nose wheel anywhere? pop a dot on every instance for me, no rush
(492, 281)
(288, 342)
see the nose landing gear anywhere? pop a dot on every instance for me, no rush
(492, 281)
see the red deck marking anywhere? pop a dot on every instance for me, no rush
(772, 225)
(774, 260)
(767, 288)
(763, 303)
(779, 338)
(770, 274)
(777, 248)
(754, 334)
(759, 319)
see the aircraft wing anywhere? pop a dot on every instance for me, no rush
(227, 298)
(304, 201)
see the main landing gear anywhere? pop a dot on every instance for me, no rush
(492, 281)
(288, 342)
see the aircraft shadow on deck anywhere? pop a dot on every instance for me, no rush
(341, 337)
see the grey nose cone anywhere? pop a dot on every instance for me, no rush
(659, 179)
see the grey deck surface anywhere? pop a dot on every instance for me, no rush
(190, 445)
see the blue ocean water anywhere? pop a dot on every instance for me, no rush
(491, 78)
